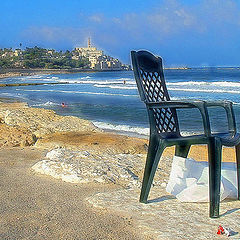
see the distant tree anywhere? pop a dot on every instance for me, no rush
(38, 57)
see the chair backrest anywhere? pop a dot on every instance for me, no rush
(148, 72)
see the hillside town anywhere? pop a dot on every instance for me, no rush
(40, 58)
(98, 60)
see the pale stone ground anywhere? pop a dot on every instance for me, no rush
(167, 218)
(35, 206)
(164, 217)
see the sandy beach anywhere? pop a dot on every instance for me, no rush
(103, 202)
(36, 206)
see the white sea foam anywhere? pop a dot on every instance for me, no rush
(133, 129)
(207, 83)
(77, 92)
(114, 86)
(186, 83)
(34, 76)
(48, 103)
(226, 84)
(125, 79)
(88, 81)
(42, 78)
(204, 90)
(123, 128)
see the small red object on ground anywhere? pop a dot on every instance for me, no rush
(220, 230)
(223, 230)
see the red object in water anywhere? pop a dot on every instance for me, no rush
(63, 105)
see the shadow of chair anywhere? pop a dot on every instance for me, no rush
(165, 132)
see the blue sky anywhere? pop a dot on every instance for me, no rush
(191, 33)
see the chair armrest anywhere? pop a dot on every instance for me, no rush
(175, 104)
(227, 105)
(200, 105)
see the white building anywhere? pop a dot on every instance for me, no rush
(89, 52)
(97, 59)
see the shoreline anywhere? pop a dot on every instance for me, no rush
(42, 125)
(30, 84)
(6, 73)
(80, 153)
(197, 152)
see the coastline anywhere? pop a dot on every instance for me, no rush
(113, 161)
(6, 73)
(51, 130)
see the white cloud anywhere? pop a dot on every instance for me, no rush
(97, 18)
(167, 21)
(54, 35)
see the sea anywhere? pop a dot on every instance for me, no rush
(111, 100)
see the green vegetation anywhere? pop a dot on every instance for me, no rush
(41, 58)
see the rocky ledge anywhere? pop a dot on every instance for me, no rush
(21, 125)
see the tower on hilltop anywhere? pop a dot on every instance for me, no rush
(89, 42)
(97, 58)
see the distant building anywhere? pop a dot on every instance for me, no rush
(97, 58)
(17, 52)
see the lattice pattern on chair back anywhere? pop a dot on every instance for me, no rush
(152, 88)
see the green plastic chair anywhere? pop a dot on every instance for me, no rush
(165, 132)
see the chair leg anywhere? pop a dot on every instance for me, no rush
(215, 157)
(182, 150)
(238, 168)
(154, 154)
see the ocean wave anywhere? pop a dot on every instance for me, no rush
(133, 95)
(204, 90)
(207, 83)
(123, 128)
(114, 86)
(39, 78)
(48, 103)
(76, 92)
(35, 76)
(186, 83)
(145, 131)
(226, 84)
(89, 81)
(125, 79)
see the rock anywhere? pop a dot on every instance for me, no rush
(82, 167)
(41, 121)
(52, 130)
(86, 166)
(12, 136)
